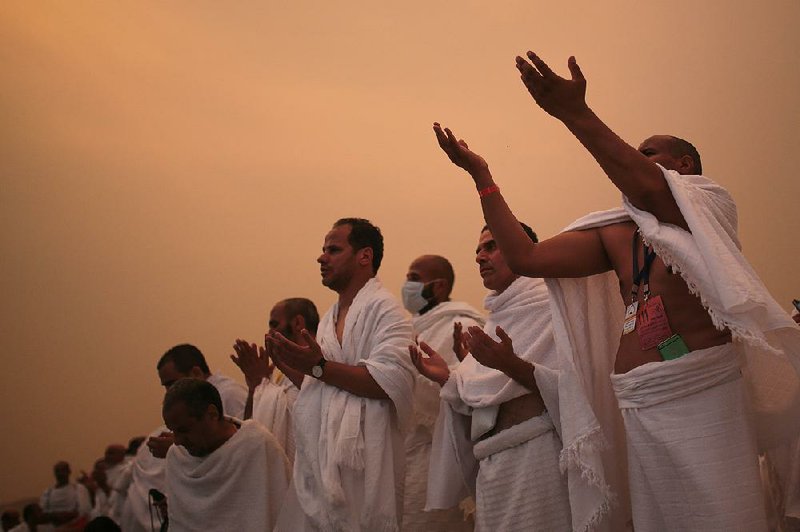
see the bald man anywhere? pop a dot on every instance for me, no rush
(273, 386)
(691, 311)
(426, 295)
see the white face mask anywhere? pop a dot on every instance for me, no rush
(412, 296)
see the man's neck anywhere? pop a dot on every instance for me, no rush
(430, 306)
(225, 434)
(348, 294)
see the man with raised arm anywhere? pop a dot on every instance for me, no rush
(515, 427)
(356, 395)
(426, 295)
(690, 304)
(272, 391)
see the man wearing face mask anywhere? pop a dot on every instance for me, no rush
(426, 295)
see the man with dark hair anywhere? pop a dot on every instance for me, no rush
(426, 294)
(185, 360)
(363, 235)
(273, 390)
(221, 474)
(674, 344)
(502, 428)
(355, 397)
(9, 519)
(147, 468)
(32, 517)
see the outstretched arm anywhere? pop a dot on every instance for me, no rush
(632, 172)
(574, 254)
(354, 379)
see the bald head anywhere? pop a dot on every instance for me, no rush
(430, 268)
(673, 153)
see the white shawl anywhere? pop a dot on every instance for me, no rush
(435, 328)
(523, 311)
(337, 432)
(147, 472)
(588, 312)
(240, 486)
(272, 408)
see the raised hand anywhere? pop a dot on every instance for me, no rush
(298, 357)
(559, 97)
(498, 355)
(433, 366)
(458, 152)
(253, 361)
(460, 347)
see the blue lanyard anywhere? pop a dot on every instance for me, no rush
(641, 276)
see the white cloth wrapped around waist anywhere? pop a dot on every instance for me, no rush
(659, 382)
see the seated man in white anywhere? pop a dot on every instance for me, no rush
(222, 474)
(66, 503)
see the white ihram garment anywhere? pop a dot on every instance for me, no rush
(578, 496)
(587, 319)
(239, 486)
(348, 470)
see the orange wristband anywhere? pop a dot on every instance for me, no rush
(491, 189)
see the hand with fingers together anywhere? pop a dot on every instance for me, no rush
(433, 366)
(559, 97)
(498, 355)
(459, 153)
(460, 347)
(253, 361)
(300, 358)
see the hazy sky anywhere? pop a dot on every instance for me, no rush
(169, 169)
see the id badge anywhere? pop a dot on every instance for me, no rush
(630, 318)
(652, 323)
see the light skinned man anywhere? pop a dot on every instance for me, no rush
(426, 295)
(678, 381)
(355, 397)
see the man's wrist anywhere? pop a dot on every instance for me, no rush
(482, 178)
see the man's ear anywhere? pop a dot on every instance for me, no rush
(686, 165)
(213, 413)
(197, 373)
(365, 256)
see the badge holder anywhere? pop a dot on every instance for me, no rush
(673, 347)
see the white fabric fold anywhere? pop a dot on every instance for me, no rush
(147, 472)
(239, 486)
(272, 407)
(341, 437)
(588, 313)
(691, 450)
(523, 311)
(233, 394)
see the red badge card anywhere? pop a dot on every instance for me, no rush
(652, 324)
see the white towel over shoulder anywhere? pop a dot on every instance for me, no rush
(240, 486)
(338, 433)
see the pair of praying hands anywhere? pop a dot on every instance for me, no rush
(258, 363)
(497, 355)
(564, 99)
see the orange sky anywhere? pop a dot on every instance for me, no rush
(169, 169)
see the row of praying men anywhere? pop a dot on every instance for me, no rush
(632, 372)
